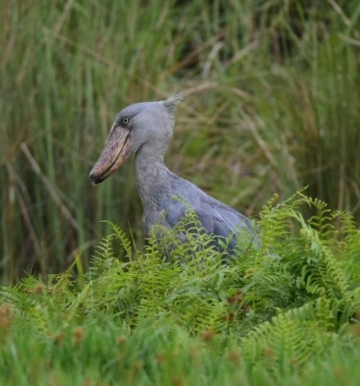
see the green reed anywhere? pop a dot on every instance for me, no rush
(272, 106)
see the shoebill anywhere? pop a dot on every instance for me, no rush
(146, 130)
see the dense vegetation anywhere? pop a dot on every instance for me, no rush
(283, 313)
(273, 106)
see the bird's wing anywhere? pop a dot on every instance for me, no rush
(215, 217)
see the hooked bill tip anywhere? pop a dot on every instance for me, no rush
(95, 180)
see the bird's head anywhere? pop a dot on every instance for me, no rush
(135, 126)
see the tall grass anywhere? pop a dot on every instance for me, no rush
(273, 105)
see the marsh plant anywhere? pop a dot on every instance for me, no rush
(272, 106)
(285, 311)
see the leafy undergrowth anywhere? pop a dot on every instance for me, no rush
(285, 311)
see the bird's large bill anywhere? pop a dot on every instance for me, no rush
(117, 149)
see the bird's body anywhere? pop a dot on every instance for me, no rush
(164, 195)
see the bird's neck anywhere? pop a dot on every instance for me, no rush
(152, 176)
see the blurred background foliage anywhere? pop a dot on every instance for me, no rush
(273, 105)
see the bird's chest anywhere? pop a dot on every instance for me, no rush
(166, 210)
(154, 214)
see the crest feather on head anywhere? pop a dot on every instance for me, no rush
(172, 101)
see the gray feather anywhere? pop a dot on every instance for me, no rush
(151, 128)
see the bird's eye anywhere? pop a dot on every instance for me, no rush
(125, 120)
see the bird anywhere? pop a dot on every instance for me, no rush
(146, 129)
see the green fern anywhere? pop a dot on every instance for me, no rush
(289, 297)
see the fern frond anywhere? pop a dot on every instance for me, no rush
(120, 235)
